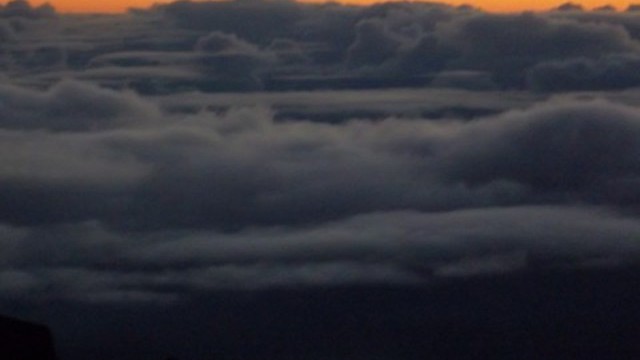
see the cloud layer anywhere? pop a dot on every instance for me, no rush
(130, 200)
(207, 46)
(225, 162)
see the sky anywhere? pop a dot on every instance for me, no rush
(489, 5)
(279, 180)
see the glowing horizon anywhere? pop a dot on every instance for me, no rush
(116, 6)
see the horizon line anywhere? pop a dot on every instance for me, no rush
(64, 7)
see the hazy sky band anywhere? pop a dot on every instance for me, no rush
(115, 6)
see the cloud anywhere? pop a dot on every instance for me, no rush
(569, 6)
(377, 51)
(410, 239)
(85, 262)
(22, 8)
(17, 283)
(605, 8)
(610, 72)
(472, 80)
(6, 32)
(373, 44)
(258, 190)
(231, 61)
(329, 46)
(221, 43)
(553, 147)
(424, 39)
(483, 43)
(241, 167)
(71, 106)
(269, 19)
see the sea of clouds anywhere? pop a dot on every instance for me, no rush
(190, 147)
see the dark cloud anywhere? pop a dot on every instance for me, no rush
(268, 19)
(633, 7)
(610, 72)
(231, 61)
(377, 51)
(627, 20)
(472, 80)
(329, 45)
(242, 168)
(23, 9)
(76, 262)
(605, 8)
(6, 32)
(373, 44)
(221, 43)
(556, 147)
(484, 43)
(71, 106)
(569, 6)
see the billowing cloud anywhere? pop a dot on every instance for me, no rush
(71, 106)
(231, 61)
(610, 72)
(373, 44)
(242, 169)
(329, 46)
(23, 9)
(568, 147)
(485, 44)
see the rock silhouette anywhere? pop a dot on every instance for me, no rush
(21, 340)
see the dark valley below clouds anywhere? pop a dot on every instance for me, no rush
(274, 180)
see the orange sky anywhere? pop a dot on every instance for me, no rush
(491, 5)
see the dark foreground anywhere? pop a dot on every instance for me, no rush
(20, 340)
(585, 314)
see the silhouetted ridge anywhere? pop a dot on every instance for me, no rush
(21, 340)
